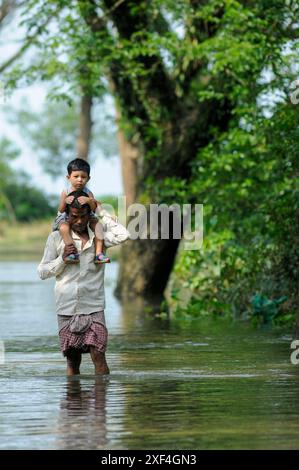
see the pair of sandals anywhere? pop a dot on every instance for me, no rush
(74, 258)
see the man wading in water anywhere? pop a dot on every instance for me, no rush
(79, 289)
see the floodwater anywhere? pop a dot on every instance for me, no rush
(207, 385)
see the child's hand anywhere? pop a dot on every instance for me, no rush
(69, 199)
(83, 200)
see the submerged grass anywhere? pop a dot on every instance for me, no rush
(23, 241)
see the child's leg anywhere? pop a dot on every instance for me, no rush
(65, 232)
(97, 228)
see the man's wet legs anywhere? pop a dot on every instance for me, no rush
(99, 360)
(73, 362)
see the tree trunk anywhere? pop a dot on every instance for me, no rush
(85, 125)
(153, 260)
(145, 266)
(171, 128)
(128, 155)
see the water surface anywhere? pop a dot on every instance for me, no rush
(205, 386)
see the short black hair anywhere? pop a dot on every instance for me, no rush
(78, 165)
(75, 203)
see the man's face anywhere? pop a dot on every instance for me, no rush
(78, 219)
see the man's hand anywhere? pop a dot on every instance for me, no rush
(69, 250)
(69, 199)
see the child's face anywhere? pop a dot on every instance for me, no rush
(78, 179)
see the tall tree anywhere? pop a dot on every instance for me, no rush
(180, 72)
(170, 127)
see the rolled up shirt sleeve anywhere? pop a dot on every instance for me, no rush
(52, 263)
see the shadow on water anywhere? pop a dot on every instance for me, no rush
(204, 385)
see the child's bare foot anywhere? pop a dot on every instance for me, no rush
(100, 258)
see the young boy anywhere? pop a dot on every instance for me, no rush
(78, 175)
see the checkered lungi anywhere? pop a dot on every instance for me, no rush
(82, 331)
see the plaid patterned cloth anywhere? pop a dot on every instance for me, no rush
(82, 331)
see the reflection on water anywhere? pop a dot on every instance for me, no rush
(82, 417)
(205, 386)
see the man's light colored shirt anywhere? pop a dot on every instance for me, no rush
(79, 288)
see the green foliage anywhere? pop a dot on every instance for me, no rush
(109, 203)
(266, 310)
(8, 152)
(247, 177)
(247, 181)
(19, 200)
(203, 88)
(28, 202)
